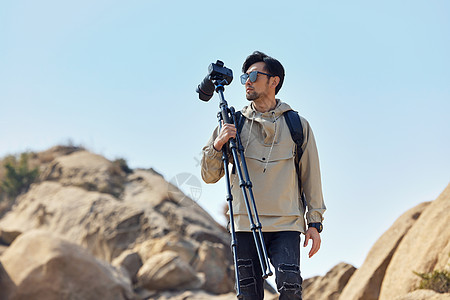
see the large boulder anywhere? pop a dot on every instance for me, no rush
(44, 266)
(87, 170)
(184, 247)
(328, 287)
(166, 271)
(365, 284)
(94, 220)
(425, 248)
(212, 261)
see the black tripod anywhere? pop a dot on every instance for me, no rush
(228, 116)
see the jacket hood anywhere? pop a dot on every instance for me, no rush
(267, 121)
(250, 112)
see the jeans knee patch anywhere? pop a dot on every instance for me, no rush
(247, 279)
(287, 287)
(245, 268)
(289, 280)
(286, 268)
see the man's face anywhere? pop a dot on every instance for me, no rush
(259, 88)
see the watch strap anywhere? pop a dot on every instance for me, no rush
(317, 225)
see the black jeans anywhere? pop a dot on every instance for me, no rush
(283, 249)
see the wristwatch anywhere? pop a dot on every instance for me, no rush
(317, 226)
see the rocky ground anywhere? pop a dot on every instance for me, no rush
(89, 228)
(418, 241)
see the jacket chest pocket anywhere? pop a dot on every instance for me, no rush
(280, 151)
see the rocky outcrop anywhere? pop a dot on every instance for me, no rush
(330, 286)
(365, 284)
(89, 171)
(426, 247)
(418, 241)
(98, 228)
(44, 266)
(155, 237)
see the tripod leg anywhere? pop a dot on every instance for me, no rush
(234, 250)
(256, 228)
(230, 208)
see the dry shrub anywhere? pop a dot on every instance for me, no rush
(438, 281)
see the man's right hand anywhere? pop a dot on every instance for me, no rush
(227, 131)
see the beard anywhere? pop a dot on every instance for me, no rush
(252, 96)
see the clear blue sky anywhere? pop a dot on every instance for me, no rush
(372, 78)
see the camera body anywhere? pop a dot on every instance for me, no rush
(216, 72)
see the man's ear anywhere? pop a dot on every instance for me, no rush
(276, 81)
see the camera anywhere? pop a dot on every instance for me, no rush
(216, 72)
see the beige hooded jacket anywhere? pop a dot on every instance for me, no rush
(270, 155)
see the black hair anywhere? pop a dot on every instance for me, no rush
(273, 66)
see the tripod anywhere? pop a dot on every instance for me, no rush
(228, 116)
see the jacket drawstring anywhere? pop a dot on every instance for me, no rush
(250, 132)
(273, 141)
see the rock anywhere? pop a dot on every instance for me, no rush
(44, 157)
(184, 247)
(7, 286)
(213, 262)
(5, 206)
(87, 170)
(365, 284)
(192, 221)
(194, 295)
(425, 248)
(423, 295)
(183, 295)
(96, 221)
(180, 214)
(2, 249)
(145, 186)
(130, 261)
(77, 198)
(211, 259)
(166, 271)
(328, 287)
(44, 266)
(7, 237)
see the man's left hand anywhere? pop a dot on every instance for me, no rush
(312, 234)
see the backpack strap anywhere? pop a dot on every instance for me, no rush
(295, 127)
(240, 120)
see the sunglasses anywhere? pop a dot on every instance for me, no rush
(253, 76)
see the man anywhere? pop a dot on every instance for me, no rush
(270, 157)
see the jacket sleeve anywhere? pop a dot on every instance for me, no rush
(212, 164)
(310, 176)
